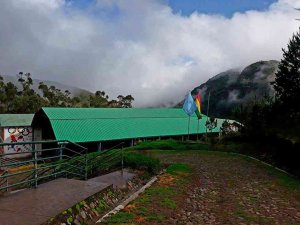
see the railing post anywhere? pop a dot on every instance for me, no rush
(86, 162)
(61, 151)
(122, 163)
(7, 189)
(35, 166)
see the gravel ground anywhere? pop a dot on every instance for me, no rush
(228, 189)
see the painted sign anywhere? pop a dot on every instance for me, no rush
(17, 134)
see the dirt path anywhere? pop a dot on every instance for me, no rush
(219, 189)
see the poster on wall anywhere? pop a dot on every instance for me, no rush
(14, 135)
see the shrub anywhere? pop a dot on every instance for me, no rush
(170, 144)
(138, 161)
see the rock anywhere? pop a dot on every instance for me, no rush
(92, 205)
(96, 213)
(83, 215)
(184, 217)
(76, 222)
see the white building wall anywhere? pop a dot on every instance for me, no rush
(14, 135)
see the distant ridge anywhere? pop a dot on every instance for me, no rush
(234, 87)
(75, 91)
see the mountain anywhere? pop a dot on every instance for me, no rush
(234, 87)
(75, 91)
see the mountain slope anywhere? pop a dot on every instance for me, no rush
(233, 87)
(75, 91)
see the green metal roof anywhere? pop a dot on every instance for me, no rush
(14, 120)
(100, 124)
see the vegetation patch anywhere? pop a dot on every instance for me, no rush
(170, 144)
(179, 168)
(88, 210)
(158, 202)
(142, 162)
(121, 218)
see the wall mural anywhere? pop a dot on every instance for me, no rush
(17, 134)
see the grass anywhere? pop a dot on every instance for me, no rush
(121, 218)
(280, 153)
(107, 161)
(249, 219)
(142, 162)
(158, 201)
(293, 184)
(170, 144)
(168, 203)
(178, 168)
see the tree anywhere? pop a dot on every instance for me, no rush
(225, 128)
(55, 97)
(287, 79)
(211, 123)
(27, 100)
(125, 102)
(257, 116)
(10, 91)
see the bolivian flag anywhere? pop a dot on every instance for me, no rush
(198, 104)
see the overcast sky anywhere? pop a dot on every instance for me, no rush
(155, 50)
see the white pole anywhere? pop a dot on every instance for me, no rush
(189, 128)
(207, 113)
(198, 130)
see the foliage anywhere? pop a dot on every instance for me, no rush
(27, 100)
(121, 218)
(179, 168)
(211, 123)
(170, 144)
(280, 116)
(125, 102)
(138, 161)
(256, 116)
(106, 161)
(287, 80)
(158, 201)
(279, 152)
(226, 128)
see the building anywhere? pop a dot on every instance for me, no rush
(15, 128)
(96, 127)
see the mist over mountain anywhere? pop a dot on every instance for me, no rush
(75, 91)
(235, 87)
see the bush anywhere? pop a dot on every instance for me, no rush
(138, 161)
(170, 144)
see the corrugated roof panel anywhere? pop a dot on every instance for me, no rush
(14, 120)
(110, 113)
(87, 125)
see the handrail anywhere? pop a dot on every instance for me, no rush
(59, 142)
(74, 163)
(122, 143)
(31, 142)
(66, 159)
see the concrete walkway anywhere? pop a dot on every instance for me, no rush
(35, 206)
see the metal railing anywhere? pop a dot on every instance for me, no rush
(40, 161)
(106, 160)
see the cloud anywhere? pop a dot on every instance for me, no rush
(137, 47)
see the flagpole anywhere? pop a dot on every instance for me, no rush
(198, 130)
(189, 128)
(207, 113)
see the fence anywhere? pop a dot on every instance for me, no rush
(37, 165)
